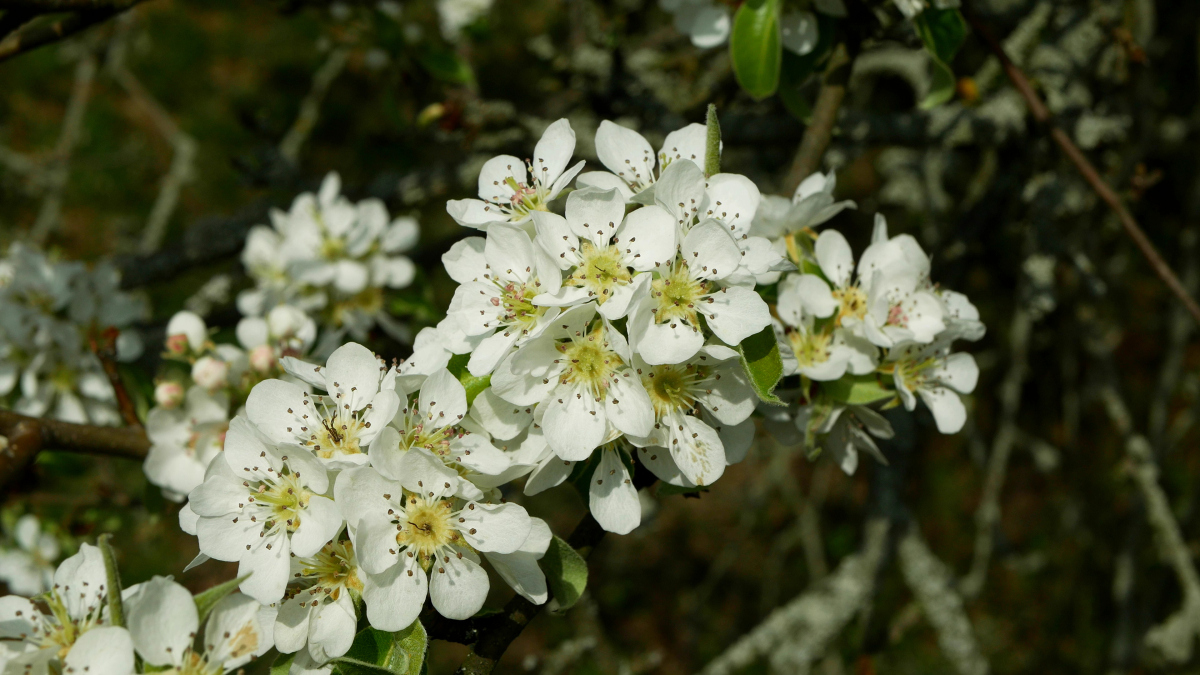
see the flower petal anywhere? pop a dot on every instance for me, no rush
(612, 498)
(395, 597)
(458, 586)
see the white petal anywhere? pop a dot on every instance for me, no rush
(605, 181)
(556, 238)
(680, 190)
(648, 237)
(464, 261)
(16, 617)
(395, 597)
(495, 527)
(501, 419)
(550, 473)
(835, 257)
(353, 371)
(595, 214)
(476, 453)
(333, 628)
(319, 523)
(425, 474)
(574, 424)
(627, 405)
(473, 213)
(191, 326)
(625, 152)
(268, 568)
(947, 408)
(267, 407)
(958, 371)
(699, 452)
(736, 439)
(673, 342)
(252, 331)
(731, 399)
(709, 252)
(553, 151)
(612, 498)
(732, 199)
(689, 143)
(236, 631)
(106, 650)
(494, 174)
(443, 400)
(735, 313)
(520, 569)
(492, 350)
(458, 586)
(292, 624)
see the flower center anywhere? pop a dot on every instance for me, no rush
(515, 303)
(333, 568)
(853, 303)
(670, 388)
(428, 526)
(590, 363)
(600, 271)
(912, 372)
(810, 348)
(677, 295)
(525, 197)
(336, 431)
(285, 500)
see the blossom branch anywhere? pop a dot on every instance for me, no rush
(105, 349)
(820, 129)
(1042, 114)
(29, 435)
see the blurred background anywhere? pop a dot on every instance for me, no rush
(161, 136)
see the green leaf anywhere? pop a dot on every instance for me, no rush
(712, 145)
(566, 572)
(375, 652)
(755, 47)
(764, 365)
(446, 65)
(943, 32)
(283, 664)
(473, 385)
(857, 389)
(206, 600)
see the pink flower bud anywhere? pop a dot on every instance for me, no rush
(177, 344)
(168, 394)
(262, 358)
(210, 373)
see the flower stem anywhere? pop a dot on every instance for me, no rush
(116, 610)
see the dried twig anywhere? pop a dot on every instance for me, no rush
(57, 174)
(820, 128)
(310, 108)
(1042, 114)
(29, 435)
(933, 585)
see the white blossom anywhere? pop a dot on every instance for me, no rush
(937, 377)
(28, 568)
(184, 441)
(634, 165)
(820, 354)
(318, 614)
(510, 190)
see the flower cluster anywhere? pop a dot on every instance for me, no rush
(206, 383)
(50, 311)
(331, 258)
(69, 629)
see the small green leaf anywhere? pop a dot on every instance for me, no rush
(943, 32)
(712, 146)
(566, 572)
(755, 47)
(206, 600)
(408, 649)
(447, 66)
(375, 651)
(857, 389)
(764, 365)
(283, 664)
(473, 385)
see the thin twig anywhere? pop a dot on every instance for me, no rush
(36, 35)
(53, 6)
(932, 584)
(820, 128)
(310, 108)
(105, 349)
(1042, 114)
(29, 435)
(58, 172)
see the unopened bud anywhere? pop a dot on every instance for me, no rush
(168, 394)
(177, 344)
(262, 358)
(209, 372)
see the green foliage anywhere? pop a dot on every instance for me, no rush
(566, 572)
(282, 664)
(756, 48)
(797, 70)
(857, 389)
(206, 600)
(763, 364)
(943, 32)
(473, 385)
(376, 651)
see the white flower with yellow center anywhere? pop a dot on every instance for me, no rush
(817, 350)
(701, 409)
(418, 538)
(499, 281)
(578, 374)
(431, 422)
(163, 621)
(606, 251)
(887, 304)
(937, 377)
(72, 636)
(634, 165)
(337, 426)
(510, 190)
(318, 610)
(184, 441)
(259, 506)
(664, 324)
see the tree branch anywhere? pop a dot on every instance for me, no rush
(820, 128)
(29, 435)
(36, 35)
(52, 6)
(1042, 114)
(105, 349)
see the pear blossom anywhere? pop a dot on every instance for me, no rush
(937, 377)
(186, 333)
(845, 430)
(317, 614)
(811, 205)
(418, 537)
(163, 622)
(263, 503)
(184, 441)
(820, 354)
(286, 331)
(579, 373)
(511, 190)
(634, 165)
(495, 298)
(689, 448)
(606, 251)
(664, 325)
(28, 567)
(74, 635)
(337, 427)
(169, 394)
